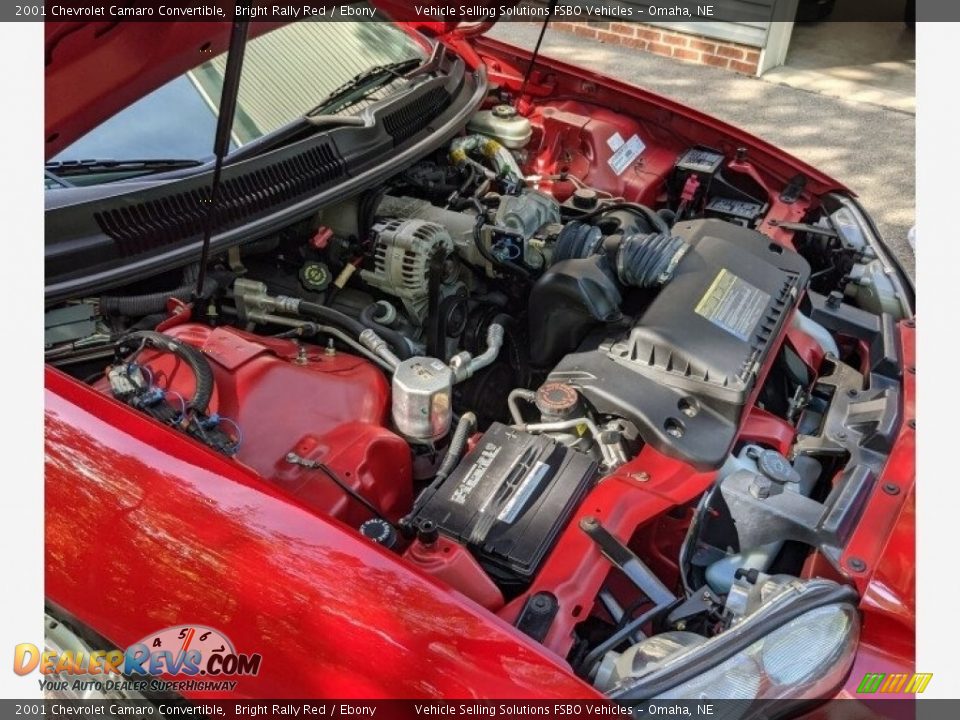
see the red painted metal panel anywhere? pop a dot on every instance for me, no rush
(885, 537)
(290, 398)
(146, 528)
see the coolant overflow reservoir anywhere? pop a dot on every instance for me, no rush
(504, 124)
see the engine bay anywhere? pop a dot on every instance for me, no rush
(625, 391)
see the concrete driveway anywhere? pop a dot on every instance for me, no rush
(871, 149)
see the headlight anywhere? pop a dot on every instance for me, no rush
(799, 644)
(814, 645)
(807, 658)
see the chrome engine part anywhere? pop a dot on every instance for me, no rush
(403, 250)
(525, 214)
(458, 224)
(522, 214)
(423, 387)
(528, 212)
(422, 399)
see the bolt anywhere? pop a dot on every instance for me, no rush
(428, 533)
(589, 522)
(912, 424)
(891, 489)
(912, 370)
(301, 355)
(841, 436)
(856, 564)
(640, 476)
(760, 488)
(540, 602)
(852, 392)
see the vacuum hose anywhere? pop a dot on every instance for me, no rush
(369, 319)
(255, 304)
(376, 333)
(331, 316)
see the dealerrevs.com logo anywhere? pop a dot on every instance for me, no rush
(197, 657)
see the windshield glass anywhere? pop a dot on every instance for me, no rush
(286, 72)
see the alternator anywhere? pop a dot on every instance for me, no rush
(402, 253)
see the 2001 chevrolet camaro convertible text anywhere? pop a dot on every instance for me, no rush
(457, 375)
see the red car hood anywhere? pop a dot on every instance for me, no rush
(95, 69)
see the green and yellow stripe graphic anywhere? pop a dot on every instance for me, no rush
(894, 683)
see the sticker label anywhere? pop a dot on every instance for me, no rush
(475, 474)
(733, 304)
(615, 141)
(625, 154)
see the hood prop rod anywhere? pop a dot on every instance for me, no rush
(536, 51)
(221, 141)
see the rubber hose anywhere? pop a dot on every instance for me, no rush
(202, 373)
(668, 215)
(148, 322)
(577, 240)
(649, 260)
(657, 221)
(471, 177)
(399, 343)
(503, 320)
(332, 317)
(367, 211)
(353, 327)
(465, 428)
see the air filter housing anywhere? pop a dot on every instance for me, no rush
(685, 369)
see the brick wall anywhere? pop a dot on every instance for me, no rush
(669, 43)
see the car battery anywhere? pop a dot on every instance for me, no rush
(509, 498)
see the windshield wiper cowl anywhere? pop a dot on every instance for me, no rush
(371, 78)
(67, 168)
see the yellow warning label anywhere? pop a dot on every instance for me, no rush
(733, 304)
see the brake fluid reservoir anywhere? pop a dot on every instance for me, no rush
(504, 124)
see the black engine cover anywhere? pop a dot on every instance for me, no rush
(684, 371)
